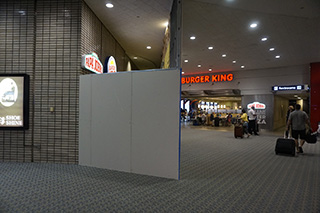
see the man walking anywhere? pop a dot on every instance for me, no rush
(298, 120)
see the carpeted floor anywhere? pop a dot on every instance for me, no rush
(218, 174)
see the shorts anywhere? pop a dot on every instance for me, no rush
(296, 133)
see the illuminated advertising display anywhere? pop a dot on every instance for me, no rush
(110, 65)
(92, 63)
(206, 78)
(260, 109)
(14, 101)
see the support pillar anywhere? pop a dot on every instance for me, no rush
(315, 95)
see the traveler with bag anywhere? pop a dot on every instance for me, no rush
(298, 120)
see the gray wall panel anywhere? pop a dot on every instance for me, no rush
(111, 115)
(155, 128)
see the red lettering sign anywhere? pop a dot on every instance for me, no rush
(91, 62)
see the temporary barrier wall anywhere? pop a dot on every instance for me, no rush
(129, 121)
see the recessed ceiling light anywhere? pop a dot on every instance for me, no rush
(148, 47)
(253, 25)
(182, 72)
(109, 5)
(135, 57)
(271, 49)
(192, 37)
(186, 61)
(278, 56)
(264, 39)
(210, 48)
(210, 69)
(234, 62)
(224, 55)
(199, 65)
(242, 67)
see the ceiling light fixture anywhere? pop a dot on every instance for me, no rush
(192, 37)
(109, 5)
(186, 61)
(210, 69)
(253, 25)
(271, 49)
(234, 62)
(135, 57)
(242, 67)
(182, 72)
(199, 65)
(224, 55)
(210, 48)
(148, 47)
(278, 56)
(264, 39)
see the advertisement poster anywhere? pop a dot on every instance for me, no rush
(260, 109)
(11, 101)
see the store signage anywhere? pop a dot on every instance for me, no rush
(206, 78)
(92, 63)
(291, 87)
(110, 65)
(256, 105)
(260, 109)
(14, 101)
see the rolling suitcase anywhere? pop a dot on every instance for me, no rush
(216, 121)
(238, 131)
(285, 146)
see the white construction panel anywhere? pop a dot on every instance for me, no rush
(155, 123)
(130, 122)
(85, 121)
(111, 116)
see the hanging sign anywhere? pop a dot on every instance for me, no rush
(110, 65)
(92, 63)
(291, 87)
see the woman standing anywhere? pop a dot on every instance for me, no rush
(244, 120)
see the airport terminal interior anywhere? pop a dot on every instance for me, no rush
(135, 106)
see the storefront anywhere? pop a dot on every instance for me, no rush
(229, 92)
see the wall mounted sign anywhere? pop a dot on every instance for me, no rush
(206, 78)
(260, 109)
(291, 87)
(14, 101)
(92, 63)
(257, 105)
(110, 65)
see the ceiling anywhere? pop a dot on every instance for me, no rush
(292, 27)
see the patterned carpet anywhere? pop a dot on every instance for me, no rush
(218, 174)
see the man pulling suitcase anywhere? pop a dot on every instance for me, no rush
(298, 120)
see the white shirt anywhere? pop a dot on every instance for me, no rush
(252, 114)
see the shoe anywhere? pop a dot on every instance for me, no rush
(248, 135)
(300, 149)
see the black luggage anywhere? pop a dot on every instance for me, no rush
(285, 146)
(238, 130)
(311, 137)
(216, 121)
(195, 122)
